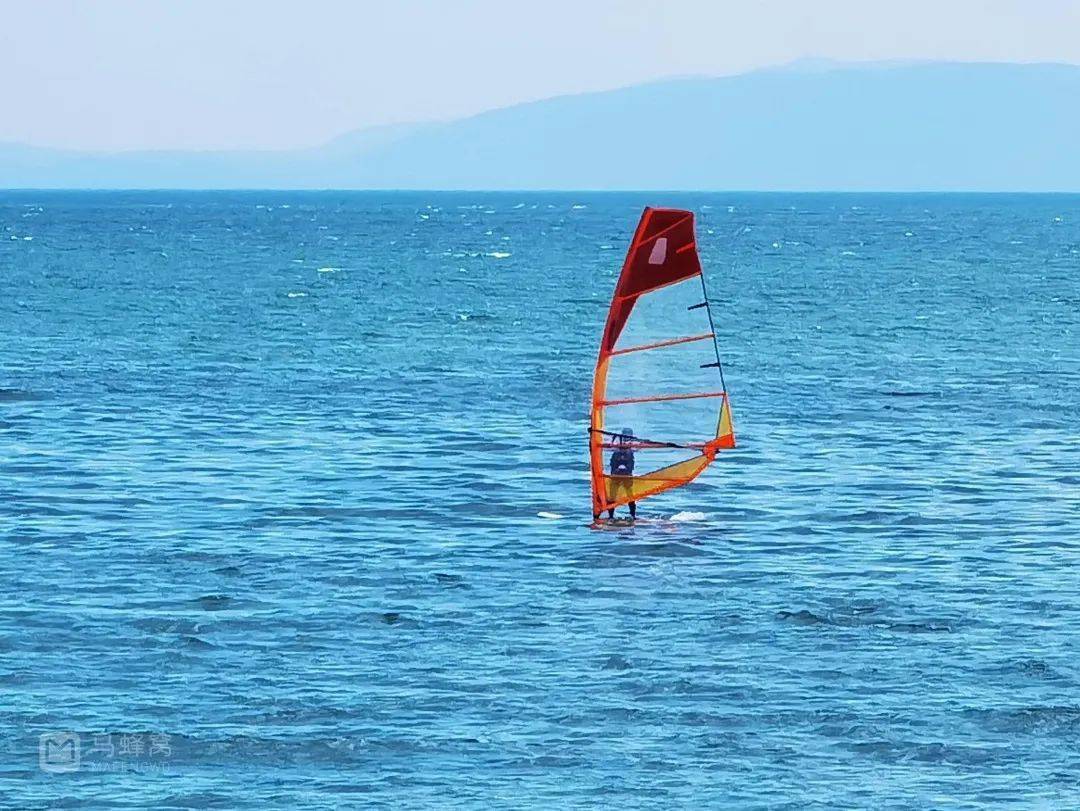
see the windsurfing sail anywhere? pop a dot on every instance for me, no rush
(658, 388)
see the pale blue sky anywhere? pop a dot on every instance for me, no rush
(133, 74)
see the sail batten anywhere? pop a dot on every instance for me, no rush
(649, 345)
(658, 344)
(663, 398)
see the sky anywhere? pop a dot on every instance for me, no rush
(279, 74)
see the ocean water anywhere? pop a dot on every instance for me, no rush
(272, 467)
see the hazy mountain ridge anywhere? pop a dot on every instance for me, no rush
(922, 126)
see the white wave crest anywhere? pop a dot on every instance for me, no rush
(686, 516)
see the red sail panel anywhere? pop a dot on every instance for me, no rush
(662, 253)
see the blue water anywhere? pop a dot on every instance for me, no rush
(271, 466)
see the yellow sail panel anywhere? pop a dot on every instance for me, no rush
(725, 433)
(624, 489)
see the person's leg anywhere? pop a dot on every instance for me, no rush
(611, 513)
(633, 509)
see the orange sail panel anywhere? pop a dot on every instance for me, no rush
(660, 409)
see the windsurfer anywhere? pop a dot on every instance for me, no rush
(622, 464)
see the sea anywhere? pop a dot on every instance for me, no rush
(294, 507)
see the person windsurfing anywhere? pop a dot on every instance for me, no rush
(622, 464)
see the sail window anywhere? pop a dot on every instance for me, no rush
(659, 252)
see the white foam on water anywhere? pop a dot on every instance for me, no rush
(552, 516)
(687, 516)
(297, 295)
(328, 270)
(498, 254)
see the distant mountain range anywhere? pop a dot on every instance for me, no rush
(808, 126)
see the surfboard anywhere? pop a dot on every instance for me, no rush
(615, 523)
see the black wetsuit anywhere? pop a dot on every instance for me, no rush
(622, 464)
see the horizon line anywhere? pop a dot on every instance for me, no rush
(376, 190)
